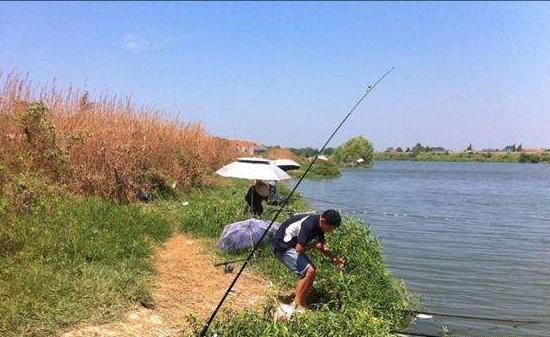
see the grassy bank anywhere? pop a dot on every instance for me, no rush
(74, 246)
(76, 259)
(367, 300)
(73, 259)
(504, 157)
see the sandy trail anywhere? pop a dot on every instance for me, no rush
(186, 283)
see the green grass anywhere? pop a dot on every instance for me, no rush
(69, 260)
(78, 259)
(367, 300)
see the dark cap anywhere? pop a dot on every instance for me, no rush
(332, 217)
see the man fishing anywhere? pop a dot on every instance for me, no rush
(294, 238)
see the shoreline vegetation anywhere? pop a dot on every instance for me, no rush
(342, 157)
(90, 189)
(502, 157)
(355, 152)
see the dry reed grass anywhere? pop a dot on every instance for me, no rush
(104, 146)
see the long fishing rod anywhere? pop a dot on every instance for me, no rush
(489, 319)
(215, 312)
(404, 333)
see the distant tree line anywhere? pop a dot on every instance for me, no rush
(310, 151)
(418, 148)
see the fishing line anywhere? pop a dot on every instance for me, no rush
(228, 291)
(408, 215)
(393, 215)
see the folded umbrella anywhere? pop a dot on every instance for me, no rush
(243, 234)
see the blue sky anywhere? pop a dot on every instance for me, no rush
(285, 73)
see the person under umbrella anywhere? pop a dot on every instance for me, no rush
(254, 169)
(254, 197)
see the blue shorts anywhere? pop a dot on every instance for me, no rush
(297, 263)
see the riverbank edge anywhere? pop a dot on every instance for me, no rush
(100, 227)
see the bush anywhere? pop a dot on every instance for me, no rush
(320, 170)
(354, 149)
(42, 143)
(324, 169)
(528, 158)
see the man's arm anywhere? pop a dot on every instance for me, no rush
(300, 247)
(323, 248)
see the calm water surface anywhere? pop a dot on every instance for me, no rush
(469, 238)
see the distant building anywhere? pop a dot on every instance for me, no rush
(510, 148)
(244, 147)
(438, 149)
(259, 149)
(489, 150)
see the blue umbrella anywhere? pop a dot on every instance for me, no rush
(243, 234)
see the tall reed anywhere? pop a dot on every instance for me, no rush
(100, 145)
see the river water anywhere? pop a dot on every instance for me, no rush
(469, 238)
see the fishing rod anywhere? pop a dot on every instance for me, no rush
(479, 318)
(489, 319)
(404, 333)
(255, 247)
(229, 262)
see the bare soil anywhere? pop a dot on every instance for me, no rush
(186, 282)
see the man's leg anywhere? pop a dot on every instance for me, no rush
(304, 286)
(302, 266)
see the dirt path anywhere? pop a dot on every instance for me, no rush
(186, 282)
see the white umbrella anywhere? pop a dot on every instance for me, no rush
(286, 164)
(255, 160)
(252, 171)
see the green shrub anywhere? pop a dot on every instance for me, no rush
(320, 170)
(44, 144)
(352, 150)
(528, 158)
